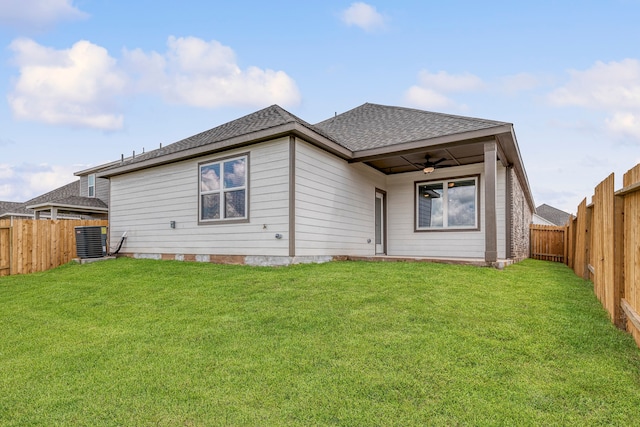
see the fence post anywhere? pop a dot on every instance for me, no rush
(588, 244)
(618, 260)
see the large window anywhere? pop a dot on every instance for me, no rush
(447, 204)
(223, 190)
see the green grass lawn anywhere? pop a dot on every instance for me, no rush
(140, 342)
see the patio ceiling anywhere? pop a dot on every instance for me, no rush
(454, 155)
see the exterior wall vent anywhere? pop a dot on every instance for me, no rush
(91, 242)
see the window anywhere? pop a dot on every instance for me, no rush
(91, 186)
(223, 190)
(447, 204)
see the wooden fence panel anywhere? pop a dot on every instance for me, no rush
(580, 260)
(602, 260)
(5, 247)
(604, 246)
(547, 242)
(571, 241)
(631, 277)
(28, 246)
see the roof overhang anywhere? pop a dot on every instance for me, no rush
(292, 128)
(14, 214)
(67, 208)
(96, 169)
(431, 143)
(459, 149)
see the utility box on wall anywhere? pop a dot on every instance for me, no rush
(91, 242)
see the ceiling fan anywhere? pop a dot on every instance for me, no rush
(430, 166)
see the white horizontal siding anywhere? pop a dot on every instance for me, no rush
(403, 240)
(335, 204)
(143, 203)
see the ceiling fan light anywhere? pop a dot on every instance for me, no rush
(428, 169)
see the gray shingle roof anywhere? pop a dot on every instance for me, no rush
(18, 208)
(554, 215)
(67, 195)
(71, 189)
(264, 119)
(375, 126)
(364, 127)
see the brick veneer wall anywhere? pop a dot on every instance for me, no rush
(521, 215)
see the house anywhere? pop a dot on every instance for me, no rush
(270, 188)
(548, 215)
(85, 198)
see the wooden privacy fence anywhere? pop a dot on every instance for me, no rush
(547, 242)
(28, 246)
(603, 245)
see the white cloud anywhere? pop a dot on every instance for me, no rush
(624, 123)
(604, 86)
(428, 98)
(49, 177)
(6, 171)
(205, 74)
(19, 183)
(612, 87)
(364, 16)
(433, 89)
(37, 13)
(77, 86)
(81, 86)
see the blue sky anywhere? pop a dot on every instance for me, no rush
(84, 81)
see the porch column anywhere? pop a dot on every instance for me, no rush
(490, 188)
(54, 213)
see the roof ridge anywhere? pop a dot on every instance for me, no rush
(437, 113)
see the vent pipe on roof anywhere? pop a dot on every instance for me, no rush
(121, 158)
(161, 145)
(134, 154)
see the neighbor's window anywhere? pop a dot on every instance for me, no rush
(91, 186)
(223, 189)
(447, 204)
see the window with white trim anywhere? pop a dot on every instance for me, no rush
(223, 190)
(91, 185)
(449, 204)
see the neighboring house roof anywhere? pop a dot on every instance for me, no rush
(66, 198)
(538, 220)
(73, 202)
(71, 189)
(390, 139)
(8, 209)
(553, 215)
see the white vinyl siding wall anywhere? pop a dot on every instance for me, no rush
(335, 203)
(144, 203)
(403, 240)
